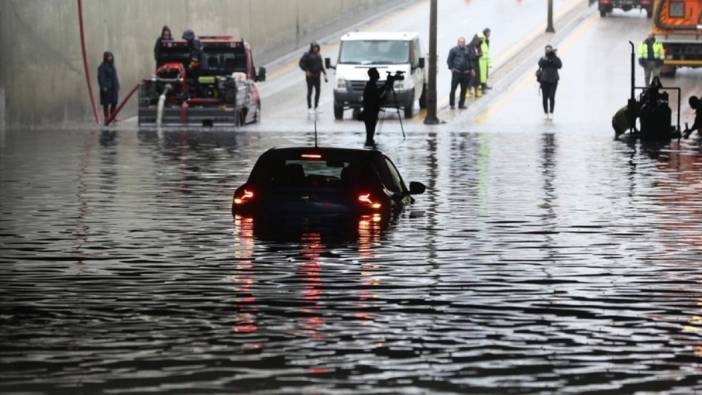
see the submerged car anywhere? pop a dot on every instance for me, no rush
(323, 181)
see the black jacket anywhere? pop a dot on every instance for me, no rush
(373, 96)
(459, 59)
(108, 81)
(549, 66)
(698, 120)
(312, 62)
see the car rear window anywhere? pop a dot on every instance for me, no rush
(319, 173)
(310, 173)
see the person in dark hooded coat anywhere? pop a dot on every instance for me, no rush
(166, 35)
(194, 44)
(311, 63)
(549, 65)
(475, 52)
(109, 84)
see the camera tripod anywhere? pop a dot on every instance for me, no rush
(391, 87)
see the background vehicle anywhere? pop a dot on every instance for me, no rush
(323, 181)
(607, 6)
(388, 52)
(224, 92)
(677, 24)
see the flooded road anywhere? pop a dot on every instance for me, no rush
(535, 263)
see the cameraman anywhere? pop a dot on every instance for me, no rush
(549, 65)
(373, 96)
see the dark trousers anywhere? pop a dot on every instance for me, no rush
(107, 111)
(548, 96)
(462, 79)
(370, 118)
(313, 82)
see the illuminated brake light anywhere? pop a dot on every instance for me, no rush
(245, 197)
(365, 199)
(312, 156)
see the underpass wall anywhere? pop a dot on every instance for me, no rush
(41, 75)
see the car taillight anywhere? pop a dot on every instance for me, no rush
(365, 199)
(246, 196)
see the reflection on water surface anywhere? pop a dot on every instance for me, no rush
(534, 263)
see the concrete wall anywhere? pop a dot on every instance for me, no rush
(42, 73)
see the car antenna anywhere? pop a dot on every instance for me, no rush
(315, 133)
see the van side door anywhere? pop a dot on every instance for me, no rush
(417, 72)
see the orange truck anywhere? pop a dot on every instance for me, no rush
(677, 24)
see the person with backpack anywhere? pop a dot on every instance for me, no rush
(548, 77)
(311, 63)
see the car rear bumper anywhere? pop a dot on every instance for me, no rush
(625, 4)
(200, 116)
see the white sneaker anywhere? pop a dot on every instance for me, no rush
(546, 118)
(310, 111)
(550, 116)
(317, 111)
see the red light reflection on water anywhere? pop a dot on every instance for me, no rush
(312, 322)
(369, 227)
(683, 191)
(312, 293)
(245, 301)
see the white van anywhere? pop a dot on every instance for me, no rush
(389, 53)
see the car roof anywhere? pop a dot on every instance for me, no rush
(399, 36)
(325, 151)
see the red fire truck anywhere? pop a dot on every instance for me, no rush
(222, 92)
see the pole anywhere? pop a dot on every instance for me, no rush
(431, 118)
(632, 60)
(549, 26)
(85, 62)
(632, 105)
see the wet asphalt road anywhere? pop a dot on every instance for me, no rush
(284, 91)
(543, 258)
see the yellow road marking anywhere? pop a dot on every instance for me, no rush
(516, 47)
(527, 78)
(442, 101)
(505, 56)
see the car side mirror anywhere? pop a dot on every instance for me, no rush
(416, 188)
(327, 63)
(261, 76)
(421, 63)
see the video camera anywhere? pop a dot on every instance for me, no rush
(391, 78)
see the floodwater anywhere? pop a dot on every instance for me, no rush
(535, 263)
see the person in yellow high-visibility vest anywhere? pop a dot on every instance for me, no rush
(651, 56)
(485, 59)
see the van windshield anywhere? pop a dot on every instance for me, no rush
(374, 52)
